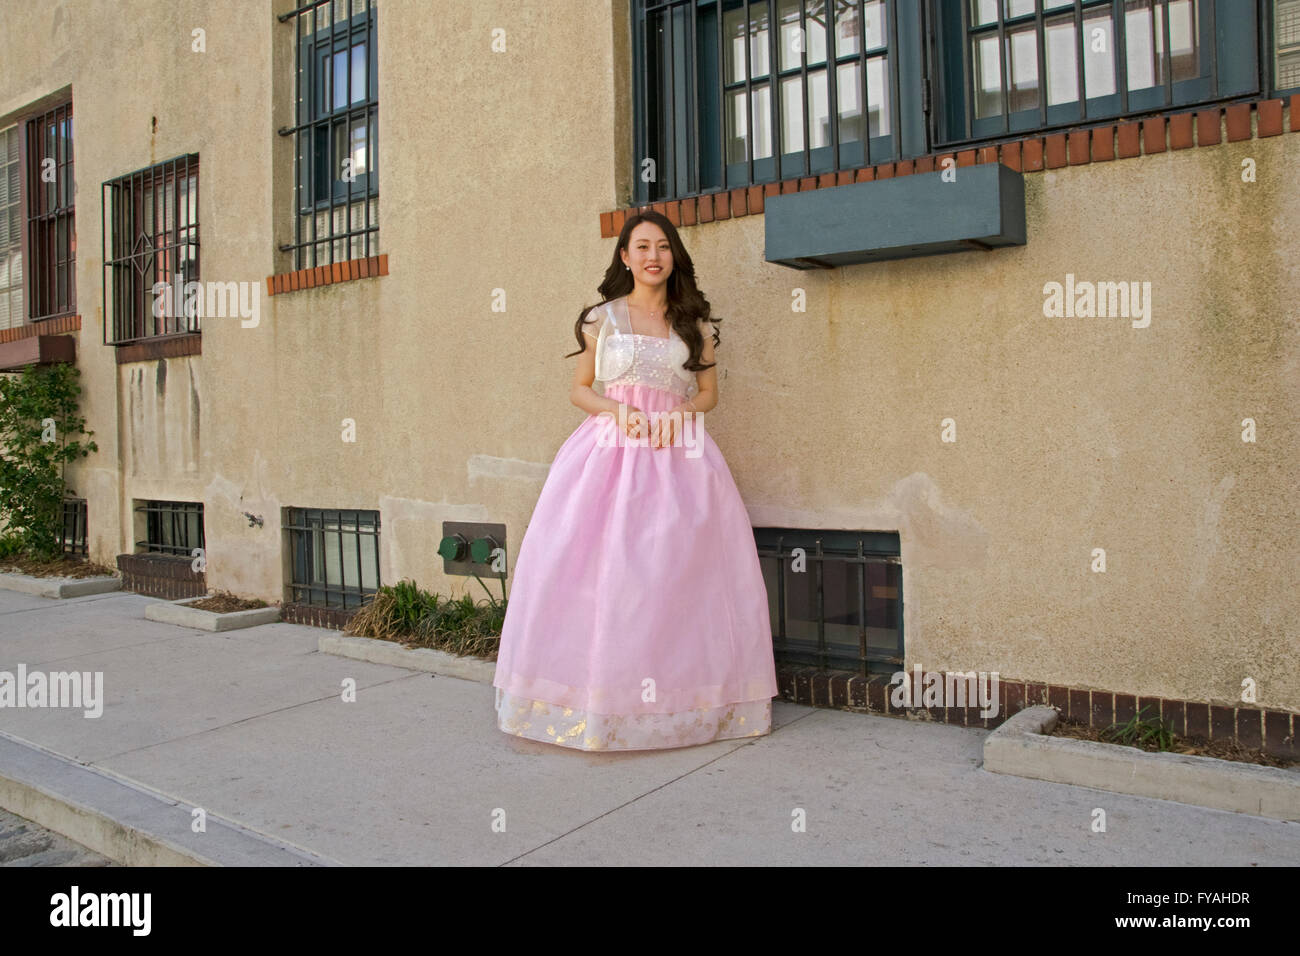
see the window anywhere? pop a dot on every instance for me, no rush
(11, 236)
(171, 527)
(334, 555)
(1286, 46)
(74, 526)
(728, 93)
(336, 177)
(51, 224)
(838, 604)
(732, 93)
(151, 250)
(1008, 66)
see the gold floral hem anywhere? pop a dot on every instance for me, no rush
(579, 730)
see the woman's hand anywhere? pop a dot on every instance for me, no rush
(663, 431)
(635, 422)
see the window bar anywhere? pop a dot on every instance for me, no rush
(751, 140)
(307, 127)
(1081, 99)
(371, 53)
(347, 132)
(720, 31)
(197, 243)
(1164, 59)
(967, 72)
(1040, 32)
(360, 576)
(1004, 70)
(777, 115)
(864, 86)
(300, 90)
(1121, 55)
(780, 590)
(773, 31)
(821, 609)
(137, 231)
(693, 127)
(343, 581)
(862, 610)
(891, 75)
(833, 73)
(1213, 32)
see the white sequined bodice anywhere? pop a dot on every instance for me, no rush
(627, 358)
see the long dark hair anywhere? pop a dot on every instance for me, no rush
(686, 304)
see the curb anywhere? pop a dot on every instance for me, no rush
(375, 651)
(1022, 748)
(176, 612)
(126, 822)
(56, 587)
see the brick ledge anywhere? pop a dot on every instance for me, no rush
(316, 276)
(1274, 731)
(1117, 139)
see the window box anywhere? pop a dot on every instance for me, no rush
(897, 218)
(37, 350)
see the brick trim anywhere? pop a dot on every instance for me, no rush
(300, 279)
(173, 346)
(1273, 731)
(161, 575)
(66, 323)
(1048, 149)
(336, 618)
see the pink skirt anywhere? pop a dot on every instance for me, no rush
(637, 617)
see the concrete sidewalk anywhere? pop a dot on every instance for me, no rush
(250, 726)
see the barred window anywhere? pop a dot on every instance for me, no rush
(170, 527)
(51, 223)
(835, 598)
(11, 234)
(731, 93)
(151, 250)
(73, 536)
(334, 556)
(1008, 66)
(336, 175)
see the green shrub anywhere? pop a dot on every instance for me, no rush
(40, 432)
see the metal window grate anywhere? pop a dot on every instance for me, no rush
(171, 527)
(74, 527)
(334, 556)
(733, 92)
(150, 221)
(844, 609)
(1011, 66)
(51, 223)
(336, 177)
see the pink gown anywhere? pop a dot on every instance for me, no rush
(637, 615)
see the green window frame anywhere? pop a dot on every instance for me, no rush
(704, 72)
(1048, 64)
(840, 605)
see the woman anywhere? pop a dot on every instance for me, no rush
(638, 617)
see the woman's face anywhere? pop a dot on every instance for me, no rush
(648, 255)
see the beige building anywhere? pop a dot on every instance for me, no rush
(1008, 299)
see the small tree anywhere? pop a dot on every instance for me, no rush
(40, 432)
